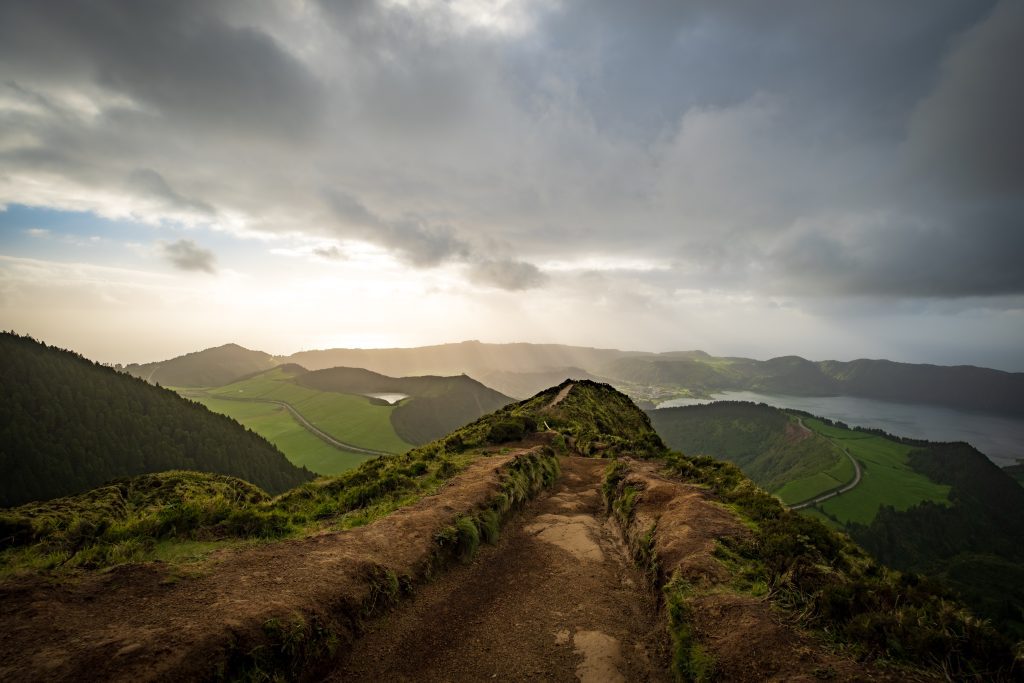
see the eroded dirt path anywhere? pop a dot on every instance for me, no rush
(556, 599)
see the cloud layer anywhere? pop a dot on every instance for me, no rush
(826, 152)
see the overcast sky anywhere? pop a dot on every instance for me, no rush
(830, 179)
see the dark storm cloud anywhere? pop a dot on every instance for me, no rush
(180, 58)
(861, 148)
(418, 241)
(507, 274)
(187, 255)
(147, 182)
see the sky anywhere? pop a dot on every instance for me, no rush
(834, 180)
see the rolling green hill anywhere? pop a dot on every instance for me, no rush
(943, 510)
(436, 405)
(68, 424)
(339, 402)
(696, 373)
(520, 369)
(209, 368)
(771, 447)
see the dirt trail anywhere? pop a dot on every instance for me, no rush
(556, 599)
(561, 396)
(146, 622)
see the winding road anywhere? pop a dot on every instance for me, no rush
(305, 424)
(834, 492)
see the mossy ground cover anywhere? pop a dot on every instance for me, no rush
(830, 585)
(134, 519)
(357, 420)
(887, 477)
(275, 424)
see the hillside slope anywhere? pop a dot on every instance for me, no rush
(710, 577)
(208, 368)
(943, 510)
(68, 424)
(437, 405)
(962, 387)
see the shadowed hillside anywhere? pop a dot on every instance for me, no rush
(68, 424)
(208, 368)
(437, 404)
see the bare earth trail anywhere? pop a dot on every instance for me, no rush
(556, 599)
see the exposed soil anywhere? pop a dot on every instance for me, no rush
(795, 432)
(748, 639)
(556, 599)
(147, 622)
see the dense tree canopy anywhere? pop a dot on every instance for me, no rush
(68, 424)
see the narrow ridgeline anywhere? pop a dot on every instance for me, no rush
(556, 538)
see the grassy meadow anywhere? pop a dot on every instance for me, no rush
(347, 417)
(887, 477)
(275, 424)
(806, 488)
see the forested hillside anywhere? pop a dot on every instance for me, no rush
(976, 544)
(68, 424)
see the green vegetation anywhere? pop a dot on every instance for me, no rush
(818, 574)
(208, 368)
(352, 419)
(699, 374)
(436, 406)
(275, 424)
(771, 447)
(888, 479)
(975, 543)
(134, 519)
(68, 424)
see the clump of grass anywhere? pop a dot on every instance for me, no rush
(288, 648)
(833, 585)
(690, 661)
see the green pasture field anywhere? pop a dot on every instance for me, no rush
(275, 424)
(887, 477)
(347, 417)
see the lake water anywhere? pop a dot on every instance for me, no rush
(390, 398)
(999, 437)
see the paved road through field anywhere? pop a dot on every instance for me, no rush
(832, 494)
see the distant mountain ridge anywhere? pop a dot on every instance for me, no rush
(207, 368)
(519, 369)
(68, 424)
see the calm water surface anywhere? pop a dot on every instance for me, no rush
(999, 437)
(390, 398)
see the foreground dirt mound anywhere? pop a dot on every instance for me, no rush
(673, 529)
(143, 622)
(557, 598)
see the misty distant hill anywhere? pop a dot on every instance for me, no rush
(964, 387)
(520, 369)
(470, 357)
(68, 424)
(208, 368)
